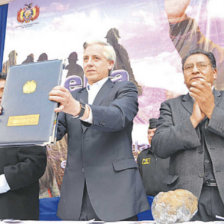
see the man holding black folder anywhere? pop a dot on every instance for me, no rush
(102, 179)
(20, 170)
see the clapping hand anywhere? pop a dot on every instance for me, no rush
(204, 104)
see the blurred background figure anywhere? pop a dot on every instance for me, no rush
(12, 60)
(154, 170)
(57, 157)
(29, 59)
(72, 67)
(122, 58)
(186, 35)
(43, 57)
(48, 184)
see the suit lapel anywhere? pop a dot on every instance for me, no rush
(103, 92)
(188, 103)
(83, 96)
(217, 95)
(100, 97)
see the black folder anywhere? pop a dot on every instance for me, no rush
(28, 116)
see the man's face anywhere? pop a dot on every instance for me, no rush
(196, 67)
(96, 65)
(2, 84)
(151, 133)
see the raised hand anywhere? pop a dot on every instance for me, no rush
(66, 102)
(201, 91)
(175, 10)
(197, 115)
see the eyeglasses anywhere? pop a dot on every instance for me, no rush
(200, 66)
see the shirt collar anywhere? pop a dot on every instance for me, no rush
(96, 85)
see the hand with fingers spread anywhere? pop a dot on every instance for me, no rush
(66, 102)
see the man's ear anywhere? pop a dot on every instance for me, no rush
(215, 74)
(111, 65)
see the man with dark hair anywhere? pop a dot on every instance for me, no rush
(210, 56)
(191, 131)
(102, 179)
(154, 170)
(20, 170)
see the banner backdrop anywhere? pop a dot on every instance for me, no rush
(149, 38)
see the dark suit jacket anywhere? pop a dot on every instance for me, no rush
(176, 137)
(101, 155)
(22, 166)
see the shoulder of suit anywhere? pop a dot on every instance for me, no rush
(125, 84)
(221, 92)
(174, 100)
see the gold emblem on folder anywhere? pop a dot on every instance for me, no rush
(29, 87)
(24, 120)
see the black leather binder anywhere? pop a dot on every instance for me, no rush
(28, 115)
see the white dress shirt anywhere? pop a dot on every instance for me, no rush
(92, 92)
(4, 187)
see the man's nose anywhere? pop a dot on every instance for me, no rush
(90, 61)
(195, 69)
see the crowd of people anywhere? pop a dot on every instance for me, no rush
(102, 180)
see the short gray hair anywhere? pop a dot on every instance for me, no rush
(109, 52)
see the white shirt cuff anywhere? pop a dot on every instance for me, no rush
(90, 118)
(4, 187)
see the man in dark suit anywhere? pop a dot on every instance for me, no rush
(101, 178)
(191, 131)
(154, 170)
(20, 170)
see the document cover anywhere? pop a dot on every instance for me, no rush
(28, 116)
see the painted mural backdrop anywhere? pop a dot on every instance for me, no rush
(147, 35)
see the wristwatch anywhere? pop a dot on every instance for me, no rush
(82, 111)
